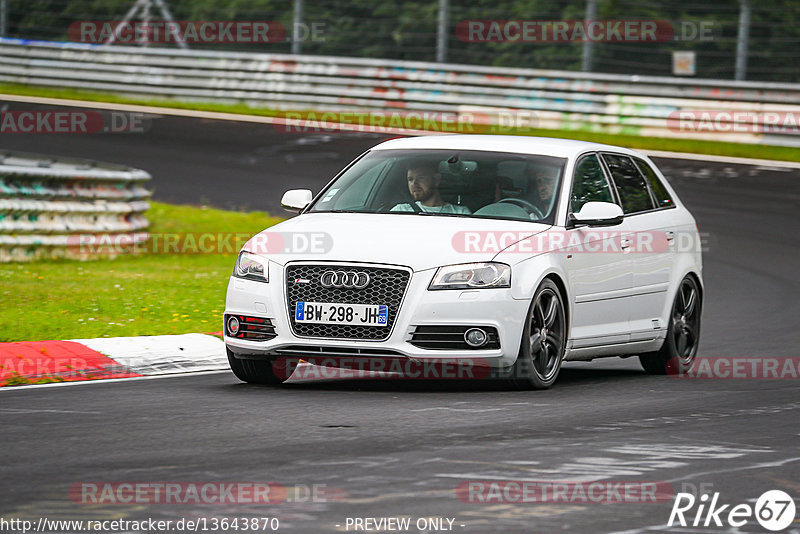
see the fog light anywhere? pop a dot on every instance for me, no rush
(233, 325)
(475, 337)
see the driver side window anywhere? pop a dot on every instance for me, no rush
(589, 183)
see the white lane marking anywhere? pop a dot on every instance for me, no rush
(604, 467)
(660, 422)
(773, 169)
(662, 527)
(215, 115)
(198, 114)
(447, 408)
(721, 159)
(695, 476)
(689, 452)
(778, 463)
(7, 389)
(27, 411)
(491, 474)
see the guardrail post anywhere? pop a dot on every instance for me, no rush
(743, 39)
(441, 35)
(3, 17)
(298, 21)
(588, 45)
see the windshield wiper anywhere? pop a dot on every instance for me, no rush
(444, 214)
(429, 213)
(344, 211)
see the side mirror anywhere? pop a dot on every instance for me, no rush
(296, 200)
(597, 214)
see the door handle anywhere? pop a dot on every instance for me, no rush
(670, 235)
(625, 243)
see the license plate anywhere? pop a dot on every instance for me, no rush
(349, 314)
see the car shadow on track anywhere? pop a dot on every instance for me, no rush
(569, 377)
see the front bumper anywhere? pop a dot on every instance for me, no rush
(482, 308)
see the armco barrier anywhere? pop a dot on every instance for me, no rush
(636, 105)
(46, 204)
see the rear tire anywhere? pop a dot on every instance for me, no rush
(253, 371)
(677, 354)
(544, 341)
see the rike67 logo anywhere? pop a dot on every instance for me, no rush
(774, 510)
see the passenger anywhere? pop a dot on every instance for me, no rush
(544, 183)
(423, 184)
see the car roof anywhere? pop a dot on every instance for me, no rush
(518, 144)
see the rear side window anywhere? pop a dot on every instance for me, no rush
(631, 187)
(589, 184)
(663, 200)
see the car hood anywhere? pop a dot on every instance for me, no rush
(417, 241)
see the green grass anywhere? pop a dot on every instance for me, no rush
(624, 136)
(142, 294)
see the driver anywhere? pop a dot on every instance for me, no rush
(503, 186)
(506, 192)
(423, 184)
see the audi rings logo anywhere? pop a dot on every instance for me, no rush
(346, 279)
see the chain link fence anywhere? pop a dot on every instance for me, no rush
(504, 33)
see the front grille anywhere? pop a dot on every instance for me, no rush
(387, 286)
(451, 338)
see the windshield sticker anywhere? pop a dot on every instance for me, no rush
(329, 195)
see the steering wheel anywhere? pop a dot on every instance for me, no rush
(524, 204)
(386, 207)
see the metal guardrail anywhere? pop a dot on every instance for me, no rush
(48, 207)
(635, 105)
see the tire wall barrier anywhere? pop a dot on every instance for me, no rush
(720, 110)
(52, 208)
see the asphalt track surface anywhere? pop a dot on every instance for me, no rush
(400, 448)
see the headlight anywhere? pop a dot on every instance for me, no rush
(472, 276)
(251, 267)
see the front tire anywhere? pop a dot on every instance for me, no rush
(253, 371)
(544, 341)
(677, 354)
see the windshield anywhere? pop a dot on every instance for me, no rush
(452, 183)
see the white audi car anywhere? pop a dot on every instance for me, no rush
(504, 256)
